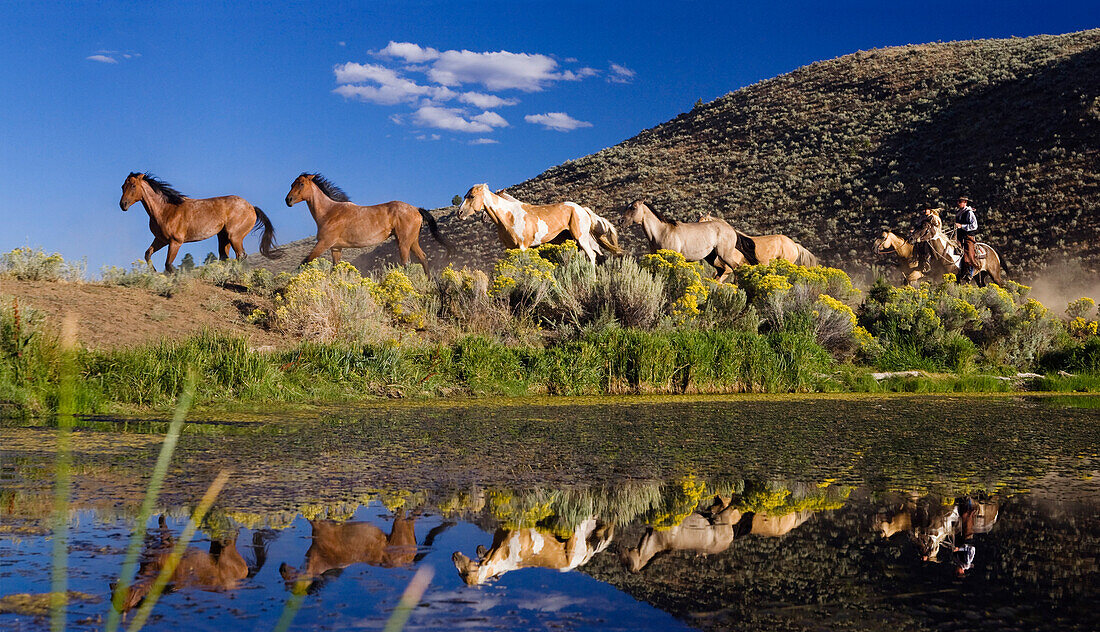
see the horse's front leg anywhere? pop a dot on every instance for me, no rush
(158, 243)
(318, 250)
(173, 248)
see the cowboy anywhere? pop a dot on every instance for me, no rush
(966, 225)
(927, 227)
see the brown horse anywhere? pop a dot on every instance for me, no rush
(712, 241)
(764, 248)
(219, 569)
(521, 225)
(908, 266)
(342, 224)
(337, 545)
(176, 219)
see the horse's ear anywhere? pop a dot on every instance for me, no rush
(310, 176)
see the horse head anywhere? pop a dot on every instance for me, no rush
(633, 213)
(475, 201)
(298, 188)
(131, 190)
(885, 243)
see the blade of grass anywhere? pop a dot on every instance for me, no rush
(60, 581)
(292, 605)
(413, 592)
(129, 564)
(177, 552)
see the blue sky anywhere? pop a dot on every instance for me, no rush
(391, 100)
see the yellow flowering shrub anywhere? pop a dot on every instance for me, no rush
(678, 501)
(686, 292)
(1082, 318)
(33, 264)
(322, 302)
(397, 296)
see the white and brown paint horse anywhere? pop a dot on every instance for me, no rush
(521, 225)
(766, 248)
(950, 261)
(712, 241)
(534, 548)
(176, 219)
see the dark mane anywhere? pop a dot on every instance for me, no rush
(661, 216)
(328, 188)
(173, 196)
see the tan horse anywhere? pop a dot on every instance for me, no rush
(219, 569)
(337, 545)
(891, 243)
(765, 248)
(709, 534)
(534, 548)
(521, 225)
(342, 224)
(712, 241)
(176, 219)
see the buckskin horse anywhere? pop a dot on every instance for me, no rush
(521, 225)
(765, 248)
(344, 224)
(892, 243)
(712, 241)
(176, 219)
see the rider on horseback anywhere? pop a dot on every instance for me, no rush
(966, 225)
(927, 227)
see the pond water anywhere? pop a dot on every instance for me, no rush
(744, 513)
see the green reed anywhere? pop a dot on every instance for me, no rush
(129, 564)
(178, 550)
(59, 582)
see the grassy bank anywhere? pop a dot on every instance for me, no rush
(547, 322)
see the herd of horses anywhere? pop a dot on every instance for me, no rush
(929, 524)
(175, 219)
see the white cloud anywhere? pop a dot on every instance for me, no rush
(620, 74)
(408, 51)
(492, 119)
(451, 119)
(106, 59)
(558, 121)
(484, 141)
(485, 101)
(496, 71)
(391, 89)
(428, 137)
(581, 73)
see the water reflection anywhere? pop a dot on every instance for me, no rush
(337, 545)
(219, 568)
(942, 529)
(514, 549)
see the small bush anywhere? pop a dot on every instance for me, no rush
(325, 303)
(633, 294)
(33, 264)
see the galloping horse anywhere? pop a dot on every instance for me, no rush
(764, 248)
(949, 262)
(220, 569)
(342, 224)
(176, 219)
(531, 547)
(710, 241)
(337, 545)
(521, 225)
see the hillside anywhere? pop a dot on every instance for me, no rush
(836, 151)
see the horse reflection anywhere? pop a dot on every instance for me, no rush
(534, 548)
(219, 569)
(337, 545)
(709, 532)
(933, 525)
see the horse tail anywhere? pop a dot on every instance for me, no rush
(267, 240)
(434, 228)
(747, 247)
(805, 257)
(604, 231)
